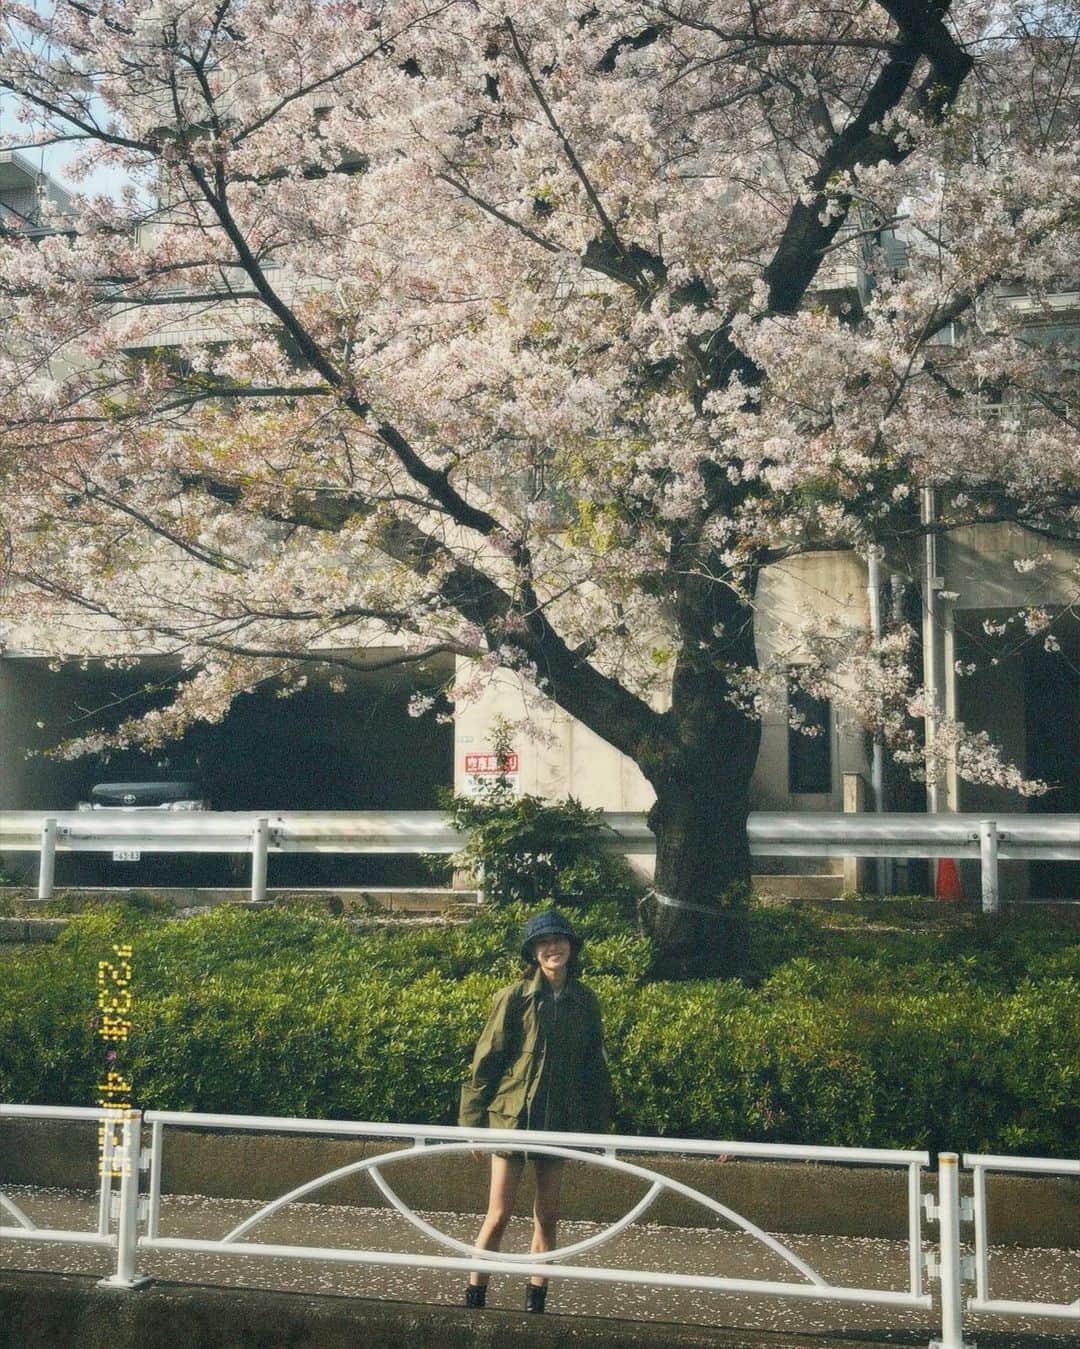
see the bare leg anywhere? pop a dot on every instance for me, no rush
(505, 1178)
(549, 1174)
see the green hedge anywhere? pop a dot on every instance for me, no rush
(955, 1039)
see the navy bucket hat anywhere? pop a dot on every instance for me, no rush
(549, 924)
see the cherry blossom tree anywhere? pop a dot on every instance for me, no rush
(502, 330)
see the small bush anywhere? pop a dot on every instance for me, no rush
(525, 849)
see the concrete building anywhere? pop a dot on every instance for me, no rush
(25, 194)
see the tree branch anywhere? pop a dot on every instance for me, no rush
(798, 255)
(434, 481)
(598, 206)
(500, 215)
(598, 701)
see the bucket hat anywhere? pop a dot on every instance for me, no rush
(549, 924)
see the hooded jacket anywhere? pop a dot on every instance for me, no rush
(540, 1063)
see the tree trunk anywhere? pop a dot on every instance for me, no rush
(700, 769)
(695, 915)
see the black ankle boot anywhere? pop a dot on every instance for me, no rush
(535, 1297)
(475, 1294)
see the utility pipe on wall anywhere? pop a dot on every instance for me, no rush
(931, 673)
(877, 760)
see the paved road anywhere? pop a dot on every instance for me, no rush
(1016, 1273)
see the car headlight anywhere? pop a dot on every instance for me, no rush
(186, 805)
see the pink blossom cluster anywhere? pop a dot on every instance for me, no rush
(528, 333)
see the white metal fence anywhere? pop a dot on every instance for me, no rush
(116, 1163)
(604, 1151)
(980, 1165)
(771, 834)
(130, 1223)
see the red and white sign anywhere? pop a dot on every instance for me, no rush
(489, 763)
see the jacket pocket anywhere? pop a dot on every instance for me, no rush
(509, 1101)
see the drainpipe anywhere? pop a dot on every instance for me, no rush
(931, 671)
(899, 867)
(877, 760)
(947, 616)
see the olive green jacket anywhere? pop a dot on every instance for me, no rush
(539, 1051)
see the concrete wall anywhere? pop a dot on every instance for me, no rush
(831, 586)
(571, 760)
(978, 565)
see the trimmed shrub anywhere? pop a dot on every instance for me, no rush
(524, 849)
(912, 1041)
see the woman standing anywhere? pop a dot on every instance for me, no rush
(539, 1064)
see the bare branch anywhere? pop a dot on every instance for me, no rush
(500, 215)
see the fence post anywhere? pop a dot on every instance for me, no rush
(952, 1306)
(47, 867)
(108, 1139)
(127, 1229)
(988, 864)
(260, 838)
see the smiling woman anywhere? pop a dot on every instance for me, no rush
(539, 1064)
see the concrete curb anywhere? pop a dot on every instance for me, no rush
(46, 1311)
(30, 931)
(49, 1310)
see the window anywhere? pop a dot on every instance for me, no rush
(809, 755)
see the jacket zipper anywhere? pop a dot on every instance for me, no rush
(554, 1022)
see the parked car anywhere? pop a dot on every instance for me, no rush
(164, 787)
(167, 794)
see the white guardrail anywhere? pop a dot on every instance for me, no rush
(772, 834)
(137, 1217)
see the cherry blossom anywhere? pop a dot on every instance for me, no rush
(532, 333)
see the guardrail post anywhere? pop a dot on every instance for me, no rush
(260, 838)
(127, 1231)
(988, 864)
(855, 868)
(47, 867)
(952, 1306)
